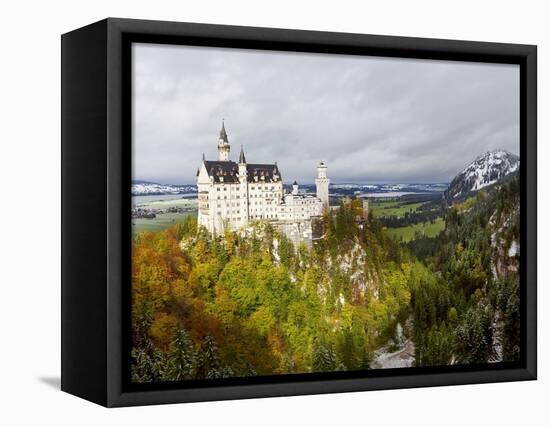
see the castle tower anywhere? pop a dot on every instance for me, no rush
(223, 145)
(295, 188)
(322, 184)
(242, 202)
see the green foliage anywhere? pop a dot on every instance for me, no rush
(474, 287)
(436, 347)
(206, 307)
(452, 316)
(475, 335)
(235, 305)
(507, 295)
(324, 358)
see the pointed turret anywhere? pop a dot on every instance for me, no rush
(223, 145)
(242, 159)
(223, 133)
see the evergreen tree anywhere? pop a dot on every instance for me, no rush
(475, 335)
(182, 357)
(209, 363)
(148, 363)
(323, 357)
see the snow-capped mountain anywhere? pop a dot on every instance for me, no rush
(152, 188)
(484, 171)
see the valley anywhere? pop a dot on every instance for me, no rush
(159, 206)
(428, 279)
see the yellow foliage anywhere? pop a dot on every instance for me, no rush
(161, 329)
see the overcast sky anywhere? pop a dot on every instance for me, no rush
(371, 120)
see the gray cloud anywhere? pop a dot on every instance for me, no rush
(370, 119)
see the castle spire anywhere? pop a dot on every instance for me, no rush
(223, 144)
(242, 159)
(223, 133)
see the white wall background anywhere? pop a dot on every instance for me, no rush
(30, 211)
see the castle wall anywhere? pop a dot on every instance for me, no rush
(296, 231)
(264, 199)
(300, 207)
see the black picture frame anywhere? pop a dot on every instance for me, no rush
(96, 171)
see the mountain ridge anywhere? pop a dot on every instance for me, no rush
(484, 171)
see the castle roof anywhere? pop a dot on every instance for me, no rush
(223, 171)
(263, 172)
(228, 172)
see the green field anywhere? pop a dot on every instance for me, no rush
(385, 208)
(396, 207)
(162, 220)
(159, 223)
(407, 233)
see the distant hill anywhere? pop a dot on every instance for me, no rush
(371, 189)
(483, 172)
(141, 187)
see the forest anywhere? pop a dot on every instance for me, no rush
(243, 304)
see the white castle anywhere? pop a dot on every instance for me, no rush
(232, 195)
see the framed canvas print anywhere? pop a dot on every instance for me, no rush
(252, 212)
